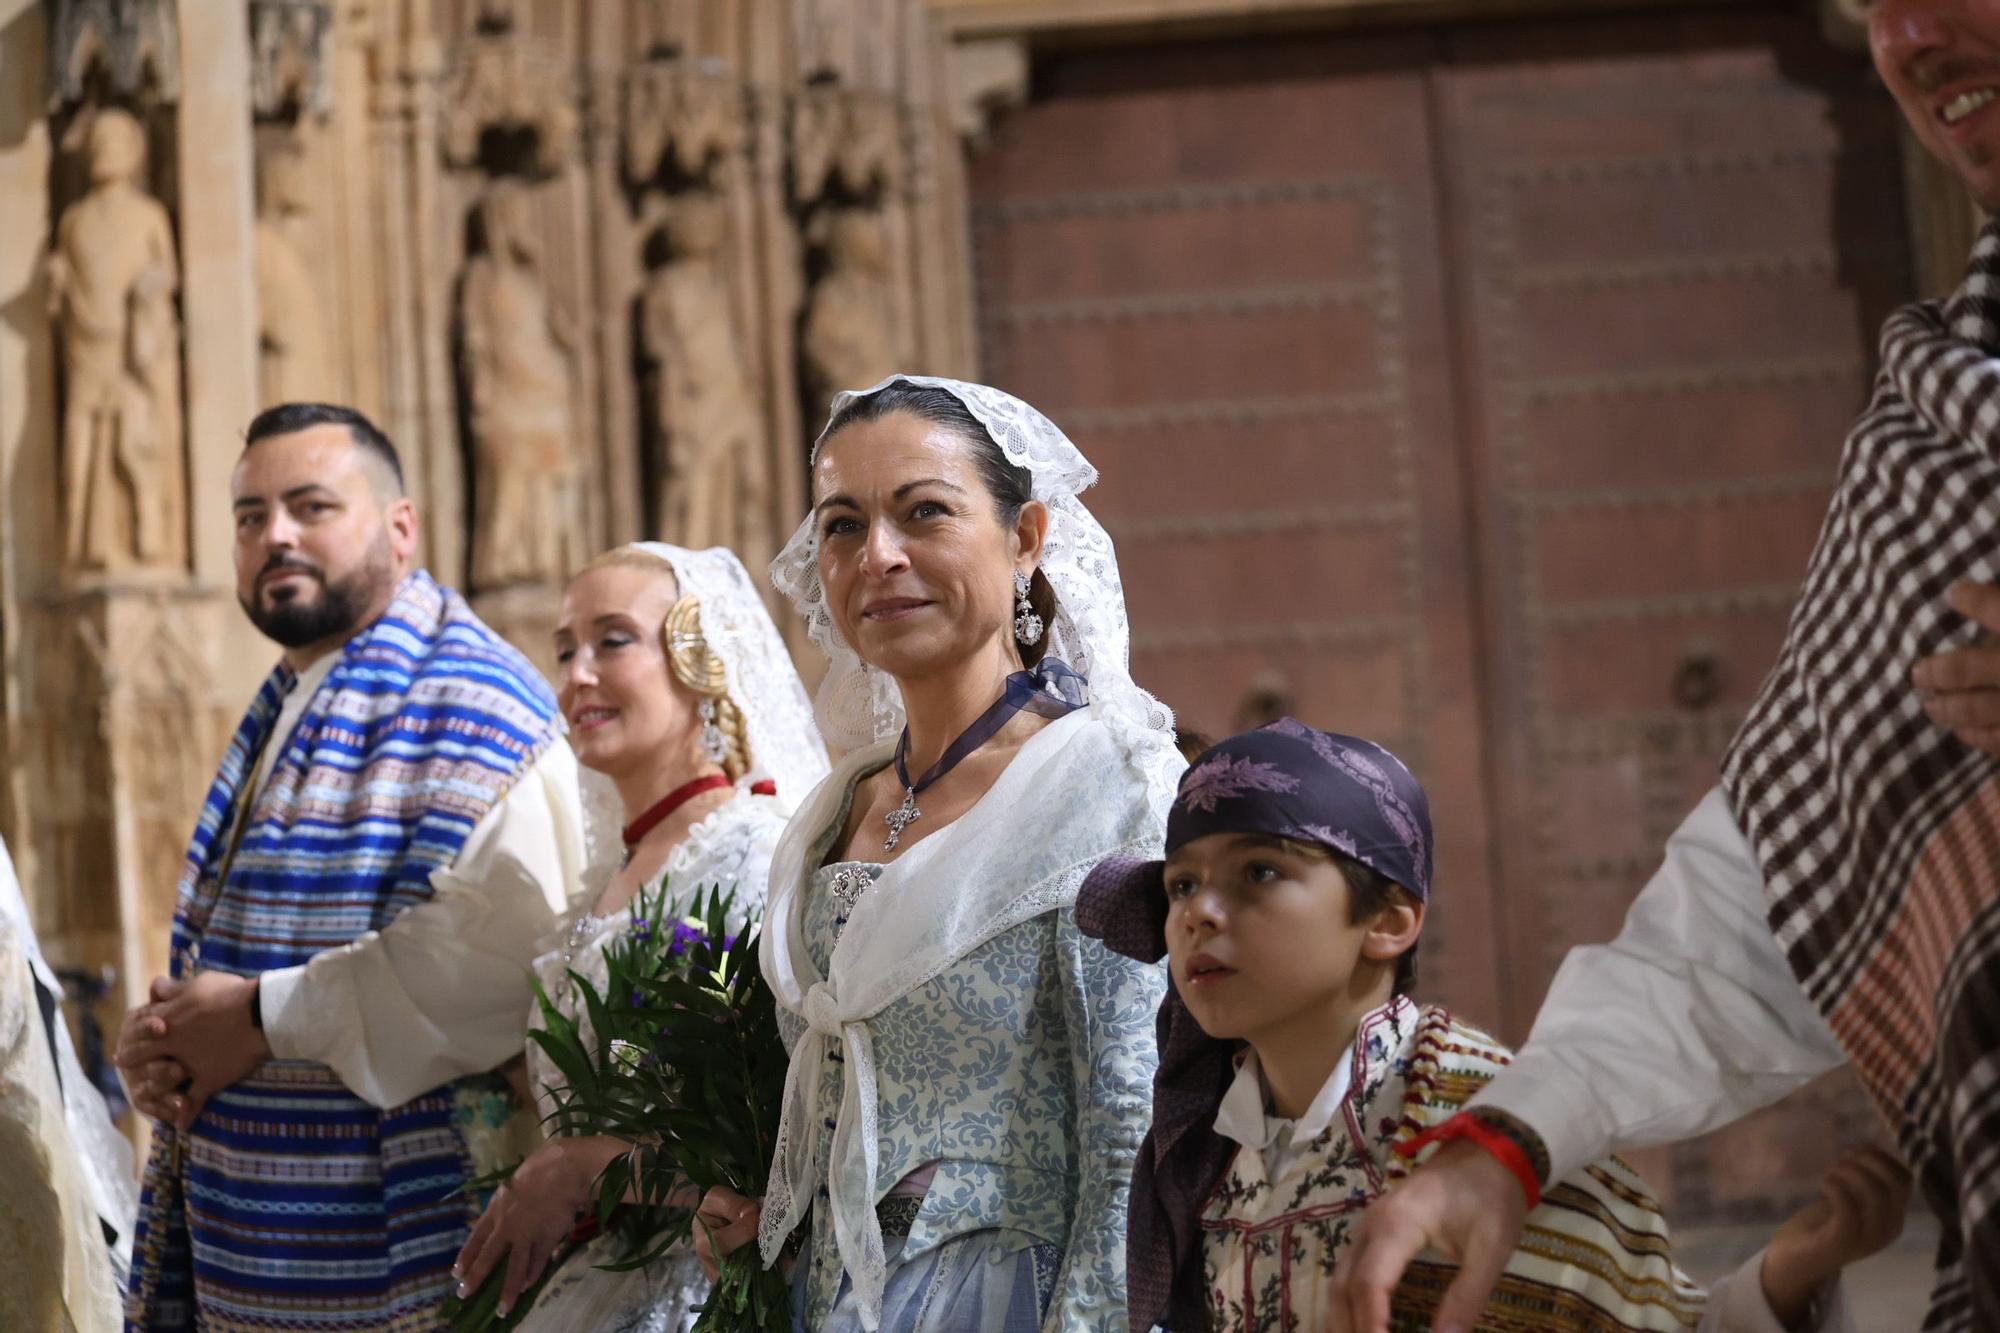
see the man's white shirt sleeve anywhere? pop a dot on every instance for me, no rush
(1690, 1019)
(442, 991)
(1737, 1304)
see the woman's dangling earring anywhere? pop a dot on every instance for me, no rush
(713, 743)
(1027, 624)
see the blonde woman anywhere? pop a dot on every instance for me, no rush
(679, 692)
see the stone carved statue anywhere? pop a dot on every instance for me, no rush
(527, 523)
(292, 354)
(715, 487)
(112, 280)
(849, 340)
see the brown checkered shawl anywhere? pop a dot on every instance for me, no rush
(1878, 831)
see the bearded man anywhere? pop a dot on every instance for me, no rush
(1834, 899)
(394, 826)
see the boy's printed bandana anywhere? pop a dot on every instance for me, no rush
(1289, 781)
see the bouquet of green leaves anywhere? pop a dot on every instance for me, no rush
(682, 1058)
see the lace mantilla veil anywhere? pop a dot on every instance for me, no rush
(785, 746)
(858, 705)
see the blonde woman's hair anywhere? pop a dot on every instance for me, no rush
(689, 657)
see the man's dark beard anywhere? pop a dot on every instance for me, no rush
(338, 610)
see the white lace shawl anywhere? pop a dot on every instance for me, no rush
(1066, 801)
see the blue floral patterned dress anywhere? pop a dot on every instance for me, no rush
(1020, 1081)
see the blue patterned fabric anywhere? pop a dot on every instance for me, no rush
(1023, 1072)
(292, 1203)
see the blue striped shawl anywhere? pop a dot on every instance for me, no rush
(292, 1203)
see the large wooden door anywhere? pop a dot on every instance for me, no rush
(1218, 269)
(1479, 391)
(1671, 246)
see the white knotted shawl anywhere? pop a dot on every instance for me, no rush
(1088, 786)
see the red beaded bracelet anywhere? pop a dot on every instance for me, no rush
(1508, 1153)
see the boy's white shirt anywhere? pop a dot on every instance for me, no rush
(1736, 1303)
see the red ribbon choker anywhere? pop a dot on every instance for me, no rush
(669, 803)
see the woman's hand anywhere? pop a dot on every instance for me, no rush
(724, 1224)
(1864, 1199)
(531, 1214)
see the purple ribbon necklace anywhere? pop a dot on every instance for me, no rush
(1050, 690)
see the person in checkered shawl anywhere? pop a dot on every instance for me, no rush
(1833, 901)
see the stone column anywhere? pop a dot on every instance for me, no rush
(219, 286)
(29, 540)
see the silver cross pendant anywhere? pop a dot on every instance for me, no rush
(901, 818)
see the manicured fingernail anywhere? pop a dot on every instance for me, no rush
(505, 1309)
(463, 1291)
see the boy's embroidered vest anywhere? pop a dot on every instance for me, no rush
(1594, 1256)
(292, 1203)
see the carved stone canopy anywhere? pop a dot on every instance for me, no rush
(844, 141)
(126, 39)
(291, 54)
(520, 88)
(683, 117)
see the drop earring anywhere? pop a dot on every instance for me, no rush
(713, 743)
(1028, 625)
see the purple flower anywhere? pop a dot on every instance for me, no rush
(686, 937)
(728, 942)
(638, 997)
(642, 929)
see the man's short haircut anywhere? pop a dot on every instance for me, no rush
(291, 418)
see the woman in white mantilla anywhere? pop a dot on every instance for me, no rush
(970, 1075)
(679, 692)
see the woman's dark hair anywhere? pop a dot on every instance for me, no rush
(1011, 486)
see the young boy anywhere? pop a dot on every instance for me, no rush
(1298, 1081)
